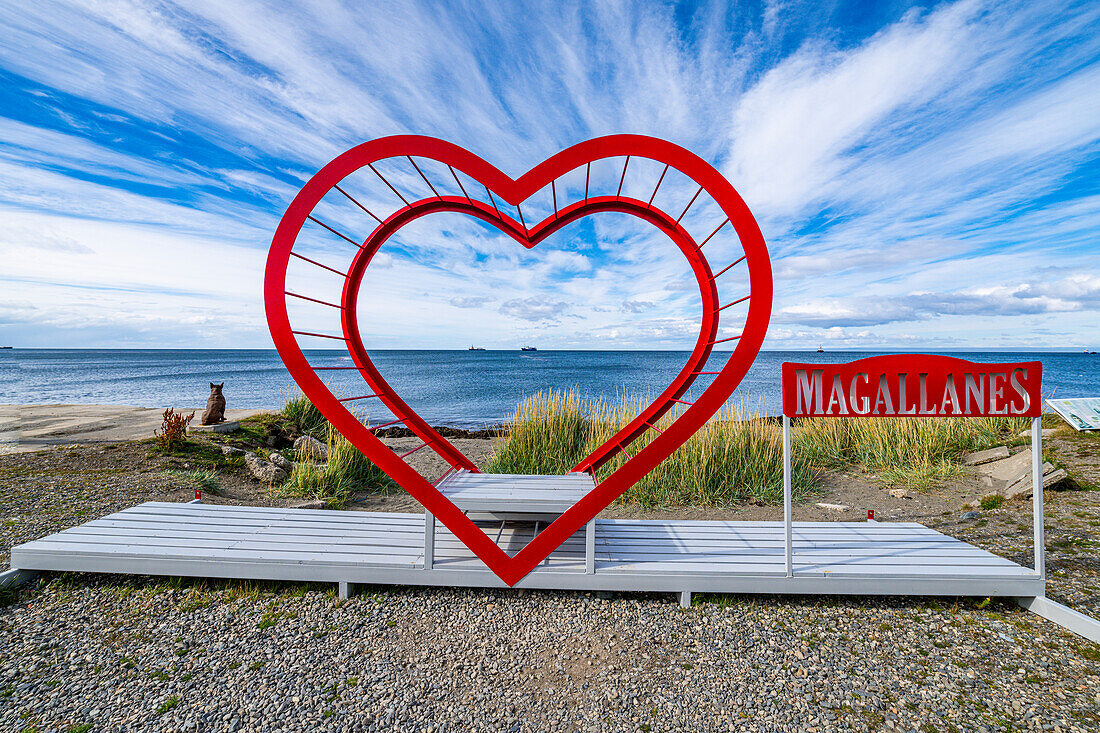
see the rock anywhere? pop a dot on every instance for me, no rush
(311, 504)
(1023, 488)
(899, 493)
(229, 450)
(985, 456)
(1010, 469)
(282, 462)
(971, 515)
(263, 470)
(221, 427)
(833, 507)
(310, 448)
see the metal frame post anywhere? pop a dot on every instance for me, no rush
(590, 547)
(788, 540)
(1037, 495)
(429, 540)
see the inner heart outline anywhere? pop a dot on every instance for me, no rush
(512, 569)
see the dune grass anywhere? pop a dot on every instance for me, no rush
(733, 459)
(916, 451)
(346, 471)
(300, 417)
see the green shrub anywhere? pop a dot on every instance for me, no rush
(301, 417)
(991, 502)
(346, 471)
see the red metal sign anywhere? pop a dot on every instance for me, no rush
(912, 384)
(515, 192)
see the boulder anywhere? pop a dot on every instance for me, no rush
(281, 461)
(971, 515)
(310, 448)
(985, 456)
(899, 493)
(1009, 469)
(1023, 488)
(311, 504)
(833, 507)
(228, 450)
(262, 470)
(1047, 432)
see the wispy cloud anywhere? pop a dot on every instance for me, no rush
(921, 175)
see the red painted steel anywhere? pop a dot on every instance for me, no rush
(912, 384)
(515, 192)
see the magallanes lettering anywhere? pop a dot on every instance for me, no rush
(847, 390)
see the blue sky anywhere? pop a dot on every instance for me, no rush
(925, 175)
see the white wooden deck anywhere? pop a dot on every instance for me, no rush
(202, 540)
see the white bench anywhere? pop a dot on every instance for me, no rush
(508, 496)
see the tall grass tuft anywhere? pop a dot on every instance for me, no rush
(301, 417)
(346, 471)
(737, 457)
(913, 450)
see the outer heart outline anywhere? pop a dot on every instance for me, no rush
(512, 569)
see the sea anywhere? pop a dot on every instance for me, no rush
(467, 389)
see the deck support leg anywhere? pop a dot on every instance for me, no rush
(685, 599)
(1067, 618)
(344, 590)
(429, 540)
(788, 540)
(590, 547)
(1037, 496)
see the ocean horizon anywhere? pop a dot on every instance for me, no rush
(460, 388)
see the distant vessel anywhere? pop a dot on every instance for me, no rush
(477, 348)
(528, 348)
(820, 350)
(7, 347)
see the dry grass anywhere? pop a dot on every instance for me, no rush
(916, 451)
(737, 457)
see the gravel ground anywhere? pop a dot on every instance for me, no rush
(125, 654)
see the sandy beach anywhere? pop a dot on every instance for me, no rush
(34, 427)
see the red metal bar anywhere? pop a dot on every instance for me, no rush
(587, 173)
(738, 261)
(622, 177)
(724, 222)
(654, 194)
(460, 185)
(384, 425)
(314, 300)
(371, 166)
(655, 427)
(623, 451)
(315, 262)
(364, 208)
(682, 402)
(722, 341)
(320, 335)
(706, 372)
(446, 473)
(521, 221)
(315, 220)
(414, 450)
(681, 216)
(493, 201)
(414, 165)
(351, 399)
(554, 192)
(727, 305)
(331, 368)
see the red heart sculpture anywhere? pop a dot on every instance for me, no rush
(511, 569)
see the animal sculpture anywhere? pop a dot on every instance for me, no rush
(215, 406)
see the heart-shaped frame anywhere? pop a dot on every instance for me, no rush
(511, 569)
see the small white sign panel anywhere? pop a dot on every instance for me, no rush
(1082, 413)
